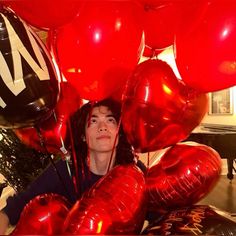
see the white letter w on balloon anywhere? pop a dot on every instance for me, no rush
(18, 49)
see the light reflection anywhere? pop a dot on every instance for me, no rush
(166, 89)
(97, 36)
(118, 25)
(224, 33)
(146, 93)
(42, 219)
(99, 229)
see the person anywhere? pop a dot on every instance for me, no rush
(98, 144)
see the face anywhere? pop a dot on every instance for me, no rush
(101, 130)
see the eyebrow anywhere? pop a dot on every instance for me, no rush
(95, 116)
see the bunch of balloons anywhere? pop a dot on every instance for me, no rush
(93, 52)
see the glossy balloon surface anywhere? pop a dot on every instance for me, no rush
(28, 81)
(114, 205)
(158, 109)
(98, 50)
(43, 13)
(205, 49)
(183, 176)
(43, 215)
(49, 135)
(193, 220)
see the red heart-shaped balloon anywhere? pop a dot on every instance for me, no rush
(183, 176)
(114, 205)
(43, 215)
(158, 109)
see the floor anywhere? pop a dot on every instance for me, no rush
(223, 196)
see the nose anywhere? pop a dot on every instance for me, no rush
(102, 126)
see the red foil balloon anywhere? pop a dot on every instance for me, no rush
(158, 109)
(28, 80)
(92, 50)
(114, 205)
(205, 49)
(51, 133)
(43, 13)
(183, 176)
(43, 215)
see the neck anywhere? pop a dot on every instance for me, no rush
(98, 162)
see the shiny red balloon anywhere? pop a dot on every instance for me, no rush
(205, 49)
(51, 133)
(158, 109)
(162, 20)
(43, 215)
(114, 205)
(183, 176)
(45, 14)
(97, 51)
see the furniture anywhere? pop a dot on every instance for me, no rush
(220, 138)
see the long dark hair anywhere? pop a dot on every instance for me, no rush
(124, 153)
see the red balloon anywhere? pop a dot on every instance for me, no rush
(158, 109)
(43, 215)
(45, 14)
(205, 49)
(51, 133)
(162, 20)
(114, 205)
(183, 176)
(97, 51)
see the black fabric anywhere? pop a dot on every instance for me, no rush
(49, 182)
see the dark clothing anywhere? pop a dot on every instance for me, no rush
(49, 182)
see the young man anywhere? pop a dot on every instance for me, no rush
(98, 144)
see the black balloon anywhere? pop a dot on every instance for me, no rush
(28, 80)
(193, 220)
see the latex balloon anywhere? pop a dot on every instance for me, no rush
(43, 215)
(163, 18)
(28, 81)
(114, 205)
(49, 135)
(92, 50)
(158, 109)
(183, 176)
(193, 220)
(204, 50)
(45, 14)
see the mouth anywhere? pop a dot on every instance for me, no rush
(103, 137)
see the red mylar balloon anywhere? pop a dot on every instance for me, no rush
(183, 176)
(158, 109)
(28, 80)
(45, 14)
(51, 133)
(205, 49)
(43, 215)
(99, 48)
(114, 205)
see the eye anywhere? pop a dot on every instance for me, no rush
(112, 120)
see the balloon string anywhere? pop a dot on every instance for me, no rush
(66, 155)
(75, 177)
(42, 143)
